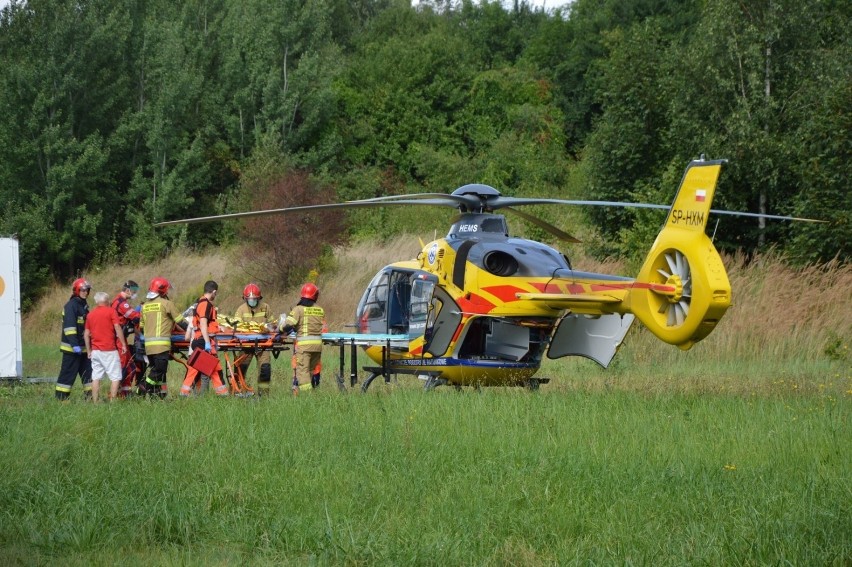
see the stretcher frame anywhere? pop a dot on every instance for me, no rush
(228, 344)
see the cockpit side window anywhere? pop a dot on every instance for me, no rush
(399, 300)
(372, 309)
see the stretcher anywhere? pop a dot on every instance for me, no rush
(235, 348)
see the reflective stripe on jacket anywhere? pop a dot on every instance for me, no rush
(259, 314)
(309, 323)
(73, 323)
(159, 317)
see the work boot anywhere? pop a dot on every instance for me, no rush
(264, 378)
(265, 373)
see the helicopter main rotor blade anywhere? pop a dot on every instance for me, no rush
(445, 200)
(248, 214)
(469, 202)
(502, 202)
(414, 196)
(558, 233)
(495, 202)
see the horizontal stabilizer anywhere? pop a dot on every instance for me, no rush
(569, 297)
(580, 303)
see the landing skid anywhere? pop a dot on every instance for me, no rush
(375, 372)
(432, 382)
(532, 384)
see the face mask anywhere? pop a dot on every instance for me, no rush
(133, 295)
(252, 303)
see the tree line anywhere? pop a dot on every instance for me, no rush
(121, 113)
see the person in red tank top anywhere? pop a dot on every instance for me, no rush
(101, 334)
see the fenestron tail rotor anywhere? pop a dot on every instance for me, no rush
(675, 275)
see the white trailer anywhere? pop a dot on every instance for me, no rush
(11, 351)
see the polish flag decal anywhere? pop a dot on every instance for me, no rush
(700, 195)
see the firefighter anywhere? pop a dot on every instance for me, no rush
(307, 320)
(204, 326)
(255, 311)
(128, 318)
(158, 318)
(75, 360)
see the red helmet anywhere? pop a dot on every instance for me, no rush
(252, 291)
(159, 286)
(79, 285)
(310, 291)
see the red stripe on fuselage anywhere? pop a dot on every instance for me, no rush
(475, 304)
(505, 293)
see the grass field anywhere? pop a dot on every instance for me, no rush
(736, 452)
(396, 477)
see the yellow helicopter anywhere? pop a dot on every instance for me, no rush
(481, 308)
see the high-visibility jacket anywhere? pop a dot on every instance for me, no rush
(159, 317)
(204, 309)
(73, 323)
(259, 314)
(309, 323)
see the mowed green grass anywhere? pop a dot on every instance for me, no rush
(566, 475)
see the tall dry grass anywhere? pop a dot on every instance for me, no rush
(783, 311)
(187, 271)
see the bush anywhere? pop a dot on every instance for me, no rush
(281, 249)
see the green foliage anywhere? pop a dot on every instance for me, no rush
(837, 348)
(742, 85)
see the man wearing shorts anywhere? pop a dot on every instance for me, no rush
(101, 333)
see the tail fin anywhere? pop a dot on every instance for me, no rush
(688, 291)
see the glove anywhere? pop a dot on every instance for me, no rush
(77, 350)
(207, 346)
